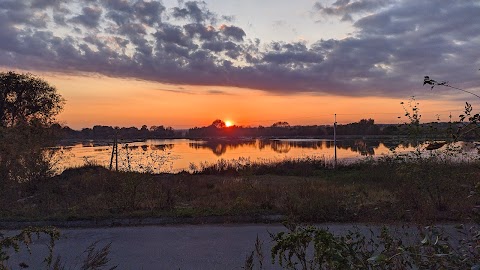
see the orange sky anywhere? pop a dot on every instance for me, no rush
(282, 47)
(93, 100)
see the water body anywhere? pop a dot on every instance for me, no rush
(179, 154)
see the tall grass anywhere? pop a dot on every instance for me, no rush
(298, 166)
(304, 189)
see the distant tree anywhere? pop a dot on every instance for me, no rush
(367, 122)
(157, 128)
(281, 124)
(26, 99)
(390, 130)
(102, 131)
(219, 124)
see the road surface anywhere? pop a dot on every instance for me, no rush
(167, 247)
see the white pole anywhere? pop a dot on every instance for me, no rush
(335, 140)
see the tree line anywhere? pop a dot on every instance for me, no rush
(218, 129)
(364, 127)
(108, 132)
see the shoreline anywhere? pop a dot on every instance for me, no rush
(196, 221)
(147, 221)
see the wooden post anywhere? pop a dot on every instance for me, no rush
(114, 152)
(335, 141)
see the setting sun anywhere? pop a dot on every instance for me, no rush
(228, 123)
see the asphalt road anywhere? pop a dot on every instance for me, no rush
(166, 247)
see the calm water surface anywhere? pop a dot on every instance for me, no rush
(178, 154)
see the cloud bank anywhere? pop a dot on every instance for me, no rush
(394, 45)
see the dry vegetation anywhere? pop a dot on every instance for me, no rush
(421, 191)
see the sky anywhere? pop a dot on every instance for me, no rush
(187, 63)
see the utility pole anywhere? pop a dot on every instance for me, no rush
(114, 152)
(335, 141)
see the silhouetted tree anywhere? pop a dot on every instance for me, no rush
(28, 106)
(25, 99)
(219, 124)
(281, 124)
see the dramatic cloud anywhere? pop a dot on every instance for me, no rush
(90, 17)
(394, 45)
(234, 32)
(347, 8)
(40, 4)
(195, 11)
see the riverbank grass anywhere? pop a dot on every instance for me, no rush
(424, 190)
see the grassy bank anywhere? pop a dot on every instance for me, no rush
(307, 190)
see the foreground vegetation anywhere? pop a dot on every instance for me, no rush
(305, 190)
(93, 258)
(309, 247)
(421, 190)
